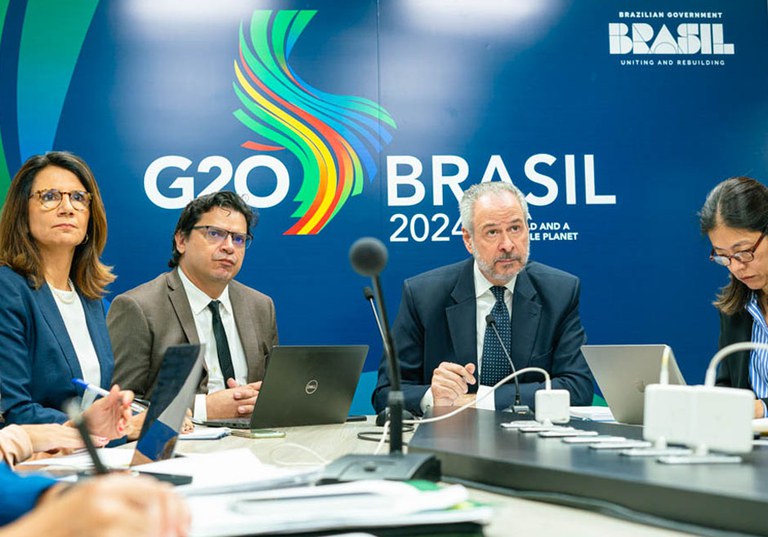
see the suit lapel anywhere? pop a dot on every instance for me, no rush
(462, 316)
(249, 337)
(526, 314)
(99, 337)
(55, 322)
(181, 306)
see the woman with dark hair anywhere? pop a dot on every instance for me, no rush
(53, 229)
(735, 218)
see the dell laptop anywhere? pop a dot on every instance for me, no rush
(304, 385)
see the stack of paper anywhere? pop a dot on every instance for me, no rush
(222, 471)
(206, 433)
(346, 506)
(232, 470)
(592, 413)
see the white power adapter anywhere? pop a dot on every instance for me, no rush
(724, 419)
(553, 406)
(702, 417)
(667, 413)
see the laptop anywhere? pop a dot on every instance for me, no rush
(623, 371)
(304, 385)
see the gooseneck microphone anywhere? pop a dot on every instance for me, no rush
(518, 407)
(368, 257)
(368, 294)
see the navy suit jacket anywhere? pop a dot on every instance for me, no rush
(437, 323)
(734, 369)
(37, 359)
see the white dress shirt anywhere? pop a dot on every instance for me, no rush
(198, 303)
(73, 314)
(484, 302)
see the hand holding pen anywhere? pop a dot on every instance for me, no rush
(98, 390)
(79, 421)
(109, 416)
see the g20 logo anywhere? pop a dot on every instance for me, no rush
(182, 187)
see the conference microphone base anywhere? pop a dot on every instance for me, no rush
(520, 410)
(394, 466)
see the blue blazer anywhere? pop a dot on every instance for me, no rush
(437, 323)
(19, 495)
(37, 359)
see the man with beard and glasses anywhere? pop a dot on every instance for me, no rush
(198, 301)
(449, 355)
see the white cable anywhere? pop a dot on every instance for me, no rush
(709, 380)
(383, 439)
(547, 386)
(664, 374)
(274, 460)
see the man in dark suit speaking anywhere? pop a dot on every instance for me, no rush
(200, 302)
(449, 355)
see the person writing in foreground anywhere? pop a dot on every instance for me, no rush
(448, 355)
(735, 218)
(53, 229)
(113, 505)
(199, 301)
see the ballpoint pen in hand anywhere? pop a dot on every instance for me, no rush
(78, 420)
(136, 407)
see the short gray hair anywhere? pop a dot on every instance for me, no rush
(475, 192)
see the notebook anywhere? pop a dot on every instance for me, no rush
(304, 385)
(623, 371)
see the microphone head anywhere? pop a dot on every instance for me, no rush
(368, 256)
(368, 293)
(489, 320)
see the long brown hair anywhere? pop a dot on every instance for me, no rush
(18, 249)
(741, 203)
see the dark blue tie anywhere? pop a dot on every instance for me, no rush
(495, 365)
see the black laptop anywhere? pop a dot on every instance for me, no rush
(304, 385)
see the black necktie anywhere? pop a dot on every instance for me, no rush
(222, 345)
(495, 365)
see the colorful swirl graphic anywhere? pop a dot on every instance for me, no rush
(335, 138)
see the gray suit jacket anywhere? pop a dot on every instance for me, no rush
(146, 320)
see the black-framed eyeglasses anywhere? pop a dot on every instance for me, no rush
(51, 198)
(744, 256)
(217, 235)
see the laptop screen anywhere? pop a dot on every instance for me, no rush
(173, 393)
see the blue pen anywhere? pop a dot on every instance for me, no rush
(136, 407)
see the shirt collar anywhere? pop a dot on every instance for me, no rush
(482, 285)
(198, 300)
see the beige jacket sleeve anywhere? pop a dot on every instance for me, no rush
(15, 445)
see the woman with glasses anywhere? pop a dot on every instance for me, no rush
(53, 229)
(735, 218)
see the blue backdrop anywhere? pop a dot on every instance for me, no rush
(345, 118)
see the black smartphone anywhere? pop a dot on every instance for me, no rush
(173, 479)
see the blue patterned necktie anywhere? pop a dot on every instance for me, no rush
(495, 365)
